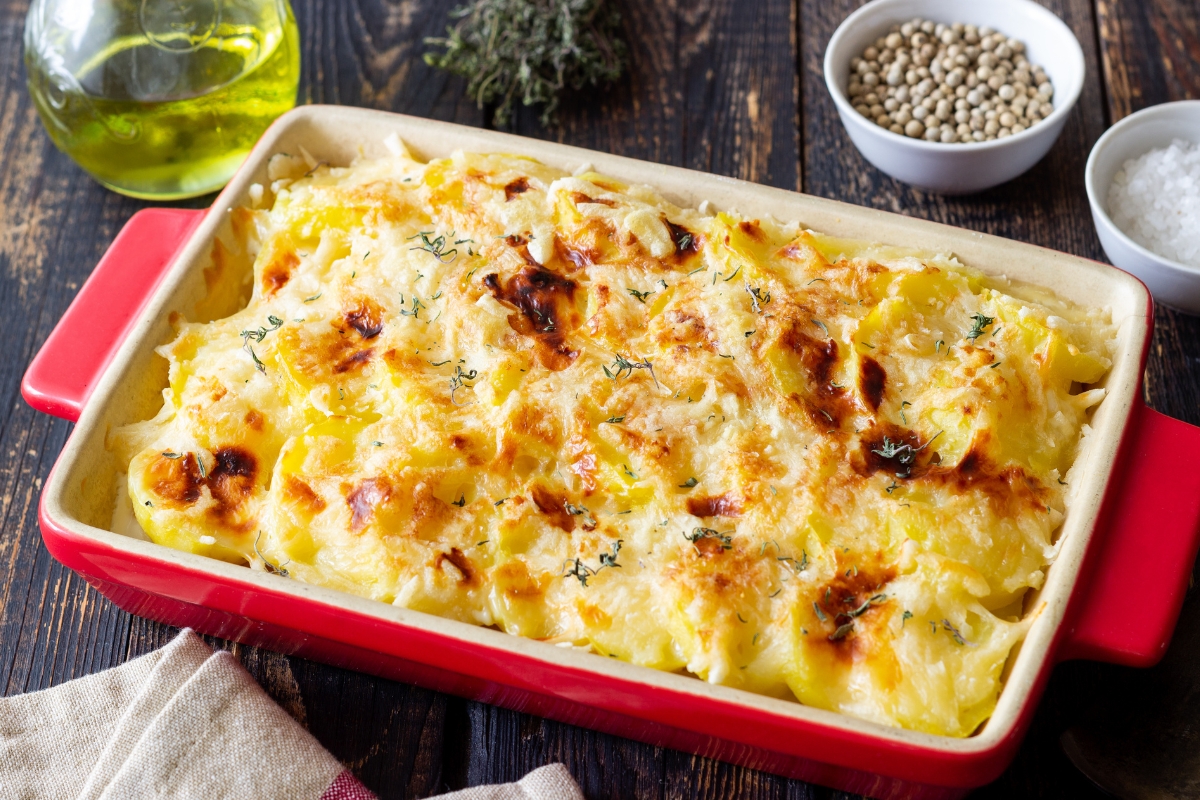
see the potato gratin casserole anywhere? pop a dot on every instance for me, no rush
(559, 405)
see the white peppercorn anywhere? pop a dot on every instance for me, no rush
(949, 83)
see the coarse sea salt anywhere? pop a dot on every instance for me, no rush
(1155, 200)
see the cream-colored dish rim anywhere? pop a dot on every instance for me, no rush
(337, 134)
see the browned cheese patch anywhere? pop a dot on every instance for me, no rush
(278, 271)
(231, 481)
(873, 380)
(887, 447)
(366, 317)
(588, 244)
(364, 498)
(466, 569)
(320, 356)
(553, 505)
(515, 187)
(580, 197)
(1010, 490)
(721, 505)
(514, 580)
(687, 243)
(299, 493)
(176, 480)
(852, 600)
(683, 328)
(546, 302)
(827, 405)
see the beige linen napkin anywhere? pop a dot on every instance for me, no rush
(185, 722)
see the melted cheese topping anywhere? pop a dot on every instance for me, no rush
(564, 407)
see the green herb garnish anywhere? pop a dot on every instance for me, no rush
(641, 296)
(531, 51)
(580, 511)
(623, 367)
(758, 298)
(698, 534)
(905, 454)
(981, 322)
(437, 247)
(258, 335)
(267, 565)
(841, 631)
(955, 634)
(459, 380)
(575, 568)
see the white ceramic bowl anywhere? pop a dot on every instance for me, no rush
(958, 168)
(1169, 281)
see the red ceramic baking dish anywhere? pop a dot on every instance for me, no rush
(1113, 594)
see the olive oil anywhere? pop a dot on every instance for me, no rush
(169, 109)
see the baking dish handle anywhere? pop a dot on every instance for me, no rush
(65, 371)
(1126, 611)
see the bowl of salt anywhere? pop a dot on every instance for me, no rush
(1143, 184)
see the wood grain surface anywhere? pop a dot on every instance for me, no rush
(727, 86)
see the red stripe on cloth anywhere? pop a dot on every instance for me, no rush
(346, 787)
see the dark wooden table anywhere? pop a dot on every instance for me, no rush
(726, 86)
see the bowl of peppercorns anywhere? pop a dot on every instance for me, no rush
(954, 96)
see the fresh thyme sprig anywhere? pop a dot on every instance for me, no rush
(955, 634)
(580, 511)
(531, 51)
(417, 305)
(610, 559)
(575, 568)
(258, 335)
(435, 246)
(699, 534)
(459, 380)
(267, 565)
(758, 298)
(981, 322)
(624, 367)
(905, 454)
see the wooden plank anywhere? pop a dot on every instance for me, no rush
(1150, 50)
